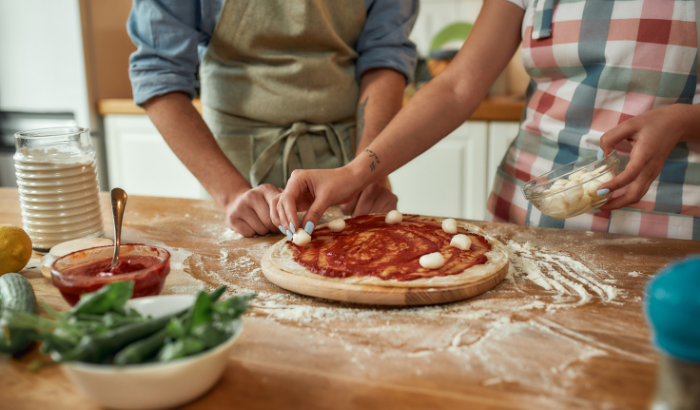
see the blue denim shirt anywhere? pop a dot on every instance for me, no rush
(172, 36)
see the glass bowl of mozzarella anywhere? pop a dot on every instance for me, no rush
(572, 189)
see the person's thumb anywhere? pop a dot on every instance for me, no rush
(616, 135)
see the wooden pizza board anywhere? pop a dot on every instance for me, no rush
(376, 295)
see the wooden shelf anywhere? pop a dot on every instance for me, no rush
(491, 109)
(499, 109)
(126, 106)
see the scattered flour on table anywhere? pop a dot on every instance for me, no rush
(178, 280)
(229, 235)
(471, 336)
(560, 273)
(635, 274)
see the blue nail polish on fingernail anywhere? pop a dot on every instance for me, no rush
(291, 226)
(600, 153)
(289, 235)
(309, 227)
(602, 192)
(595, 211)
(281, 229)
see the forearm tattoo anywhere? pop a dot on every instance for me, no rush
(374, 158)
(361, 119)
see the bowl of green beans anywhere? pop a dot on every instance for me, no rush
(147, 353)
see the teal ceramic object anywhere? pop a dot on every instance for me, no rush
(672, 308)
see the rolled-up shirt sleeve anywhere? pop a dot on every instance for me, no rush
(166, 34)
(383, 42)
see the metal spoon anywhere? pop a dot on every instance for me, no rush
(119, 198)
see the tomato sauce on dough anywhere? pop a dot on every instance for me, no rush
(368, 246)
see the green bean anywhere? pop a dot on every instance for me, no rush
(111, 296)
(141, 350)
(216, 294)
(97, 348)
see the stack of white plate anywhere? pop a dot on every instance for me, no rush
(59, 201)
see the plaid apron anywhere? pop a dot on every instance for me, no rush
(593, 65)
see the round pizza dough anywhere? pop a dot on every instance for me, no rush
(282, 257)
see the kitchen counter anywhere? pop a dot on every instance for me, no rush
(505, 108)
(564, 330)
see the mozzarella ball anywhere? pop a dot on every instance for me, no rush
(570, 184)
(449, 225)
(573, 195)
(599, 170)
(337, 225)
(394, 217)
(301, 237)
(555, 204)
(461, 241)
(606, 177)
(559, 183)
(583, 203)
(577, 174)
(591, 188)
(432, 261)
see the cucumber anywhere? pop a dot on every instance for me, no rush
(16, 293)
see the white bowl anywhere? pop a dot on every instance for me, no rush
(154, 385)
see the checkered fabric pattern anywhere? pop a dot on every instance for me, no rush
(542, 26)
(601, 63)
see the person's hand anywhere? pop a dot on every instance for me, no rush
(653, 135)
(374, 198)
(249, 213)
(313, 191)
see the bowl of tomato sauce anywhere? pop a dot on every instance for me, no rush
(88, 270)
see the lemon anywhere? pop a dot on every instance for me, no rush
(15, 249)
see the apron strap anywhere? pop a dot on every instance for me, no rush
(266, 160)
(335, 141)
(542, 26)
(296, 140)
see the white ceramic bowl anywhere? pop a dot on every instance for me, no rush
(154, 385)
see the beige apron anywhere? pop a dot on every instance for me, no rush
(278, 85)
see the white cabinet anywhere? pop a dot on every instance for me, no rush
(455, 177)
(141, 163)
(449, 179)
(501, 134)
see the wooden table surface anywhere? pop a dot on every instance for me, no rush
(564, 330)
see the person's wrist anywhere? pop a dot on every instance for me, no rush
(228, 197)
(691, 122)
(359, 174)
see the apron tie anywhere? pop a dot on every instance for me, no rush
(296, 141)
(542, 26)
